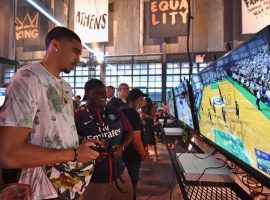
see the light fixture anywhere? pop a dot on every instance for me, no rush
(49, 16)
(87, 47)
(83, 60)
(44, 12)
(99, 56)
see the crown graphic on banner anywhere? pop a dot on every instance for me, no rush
(27, 22)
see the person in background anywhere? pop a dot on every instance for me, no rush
(37, 129)
(223, 112)
(267, 95)
(237, 111)
(210, 116)
(157, 124)
(214, 108)
(123, 91)
(110, 179)
(165, 109)
(166, 113)
(135, 151)
(148, 117)
(77, 103)
(111, 99)
(258, 99)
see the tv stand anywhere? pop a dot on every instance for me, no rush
(214, 184)
(194, 165)
(173, 131)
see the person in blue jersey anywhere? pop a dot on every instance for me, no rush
(110, 179)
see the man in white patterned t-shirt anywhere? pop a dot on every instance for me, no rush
(37, 130)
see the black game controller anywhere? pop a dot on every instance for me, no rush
(113, 149)
(99, 148)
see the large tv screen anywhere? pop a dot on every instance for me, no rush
(182, 102)
(232, 100)
(2, 95)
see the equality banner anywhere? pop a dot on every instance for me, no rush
(167, 18)
(31, 27)
(255, 15)
(91, 20)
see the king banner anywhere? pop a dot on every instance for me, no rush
(31, 28)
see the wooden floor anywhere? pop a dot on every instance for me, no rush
(157, 180)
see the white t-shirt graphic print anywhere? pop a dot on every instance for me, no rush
(37, 100)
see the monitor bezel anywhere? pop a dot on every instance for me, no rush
(190, 97)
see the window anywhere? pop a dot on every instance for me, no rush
(111, 70)
(146, 76)
(8, 72)
(172, 80)
(203, 65)
(155, 81)
(155, 68)
(176, 72)
(155, 94)
(78, 77)
(173, 68)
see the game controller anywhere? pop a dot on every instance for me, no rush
(113, 149)
(98, 148)
(101, 149)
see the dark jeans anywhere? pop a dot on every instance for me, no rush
(133, 171)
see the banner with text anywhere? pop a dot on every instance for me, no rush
(255, 15)
(168, 18)
(31, 27)
(91, 20)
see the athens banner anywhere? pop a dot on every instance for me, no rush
(167, 18)
(255, 15)
(31, 27)
(91, 20)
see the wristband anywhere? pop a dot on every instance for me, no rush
(75, 155)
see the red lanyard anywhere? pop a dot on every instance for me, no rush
(99, 118)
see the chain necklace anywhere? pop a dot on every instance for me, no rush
(64, 99)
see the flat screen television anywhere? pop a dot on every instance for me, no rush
(171, 102)
(232, 103)
(182, 102)
(2, 95)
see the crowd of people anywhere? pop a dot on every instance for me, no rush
(213, 75)
(253, 73)
(65, 150)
